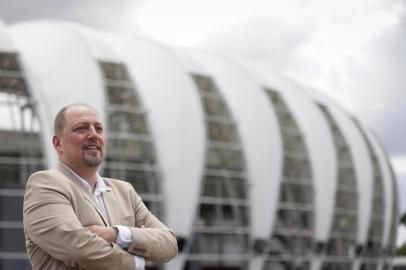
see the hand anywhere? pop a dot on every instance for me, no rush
(107, 233)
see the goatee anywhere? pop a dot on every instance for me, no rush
(91, 161)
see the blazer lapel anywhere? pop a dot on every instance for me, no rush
(110, 204)
(92, 202)
(88, 197)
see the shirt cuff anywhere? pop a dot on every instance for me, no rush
(124, 237)
(139, 262)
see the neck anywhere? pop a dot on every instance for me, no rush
(89, 174)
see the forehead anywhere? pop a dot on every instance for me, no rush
(80, 114)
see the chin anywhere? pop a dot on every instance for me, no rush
(92, 162)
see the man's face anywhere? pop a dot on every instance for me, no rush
(82, 141)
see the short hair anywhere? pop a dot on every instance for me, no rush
(60, 119)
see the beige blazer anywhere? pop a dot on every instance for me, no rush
(57, 210)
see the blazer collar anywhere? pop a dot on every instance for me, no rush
(84, 191)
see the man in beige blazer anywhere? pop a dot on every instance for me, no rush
(75, 219)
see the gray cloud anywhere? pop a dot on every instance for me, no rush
(101, 14)
(379, 85)
(370, 82)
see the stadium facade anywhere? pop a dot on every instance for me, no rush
(250, 170)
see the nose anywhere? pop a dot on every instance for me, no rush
(92, 133)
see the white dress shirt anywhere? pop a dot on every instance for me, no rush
(124, 236)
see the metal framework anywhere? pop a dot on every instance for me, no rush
(131, 154)
(290, 245)
(20, 156)
(220, 235)
(372, 251)
(341, 247)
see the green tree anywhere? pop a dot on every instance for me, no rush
(402, 220)
(401, 251)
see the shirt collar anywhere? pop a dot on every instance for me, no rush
(100, 185)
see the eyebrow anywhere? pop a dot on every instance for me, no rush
(87, 123)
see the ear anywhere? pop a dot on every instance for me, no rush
(56, 140)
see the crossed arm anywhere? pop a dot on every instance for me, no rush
(50, 222)
(107, 233)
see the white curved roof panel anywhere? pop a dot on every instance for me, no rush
(6, 44)
(319, 145)
(387, 187)
(258, 132)
(176, 122)
(60, 71)
(362, 165)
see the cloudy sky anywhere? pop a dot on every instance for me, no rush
(353, 51)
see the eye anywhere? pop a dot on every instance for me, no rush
(99, 129)
(80, 129)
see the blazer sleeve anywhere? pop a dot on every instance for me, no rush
(155, 242)
(51, 223)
